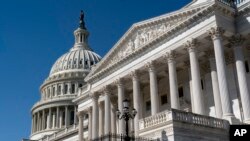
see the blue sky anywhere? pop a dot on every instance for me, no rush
(34, 33)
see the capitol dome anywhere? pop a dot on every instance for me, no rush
(55, 111)
(79, 59)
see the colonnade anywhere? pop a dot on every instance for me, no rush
(53, 118)
(54, 90)
(220, 85)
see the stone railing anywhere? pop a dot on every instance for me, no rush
(192, 118)
(158, 119)
(182, 116)
(59, 133)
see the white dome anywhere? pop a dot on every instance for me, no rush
(78, 59)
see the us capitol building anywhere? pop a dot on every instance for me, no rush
(186, 73)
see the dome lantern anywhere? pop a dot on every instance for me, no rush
(81, 34)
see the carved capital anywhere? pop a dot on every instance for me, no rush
(134, 75)
(170, 56)
(191, 45)
(119, 82)
(216, 32)
(236, 40)
(106, 90)
(94, 96)
(150, 65)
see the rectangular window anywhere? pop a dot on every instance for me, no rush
(148, 106)
(164, 99)
(180, 90)
(73, 88)
(247, 67)
(65, 89)
(202, 84)
(59, 89)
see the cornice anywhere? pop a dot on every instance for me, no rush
(59, 101)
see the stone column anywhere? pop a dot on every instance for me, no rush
(60, 119)
(113, 118)
(215, 84)
(101, 115)
(53, 120)
(95, 123)
(196, 80)
(69, 86)
(56, 90)
(66, 116)
(80, 129)
(51, 91)
(75, 115)
(137, 101)
(237, 43)
(187, 66)
(107, 127)
(153, 88)
(121, 96)
(89, 124)
(43, 120)
(174, 94)
(38, 121)
(49, 119)
(32, 124)
(57, 117)
(222, 77)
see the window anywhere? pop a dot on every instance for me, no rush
(73, 88)
(72, 117)
(91, 63)
(80, 61)
(202, 85)
(59, 89)
(247, 67)
(54, 91)
(80, 85)
(86, 62)
(164, 99)
(148, 106)
(180, 90)
(65, 89)
(81, 38)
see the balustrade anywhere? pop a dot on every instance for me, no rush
(181, 116)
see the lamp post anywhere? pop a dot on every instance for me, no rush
(126, 115)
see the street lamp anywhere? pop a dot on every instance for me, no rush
(126, 115)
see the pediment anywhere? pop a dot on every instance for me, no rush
(141, 34)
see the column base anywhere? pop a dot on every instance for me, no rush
(232, 119)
